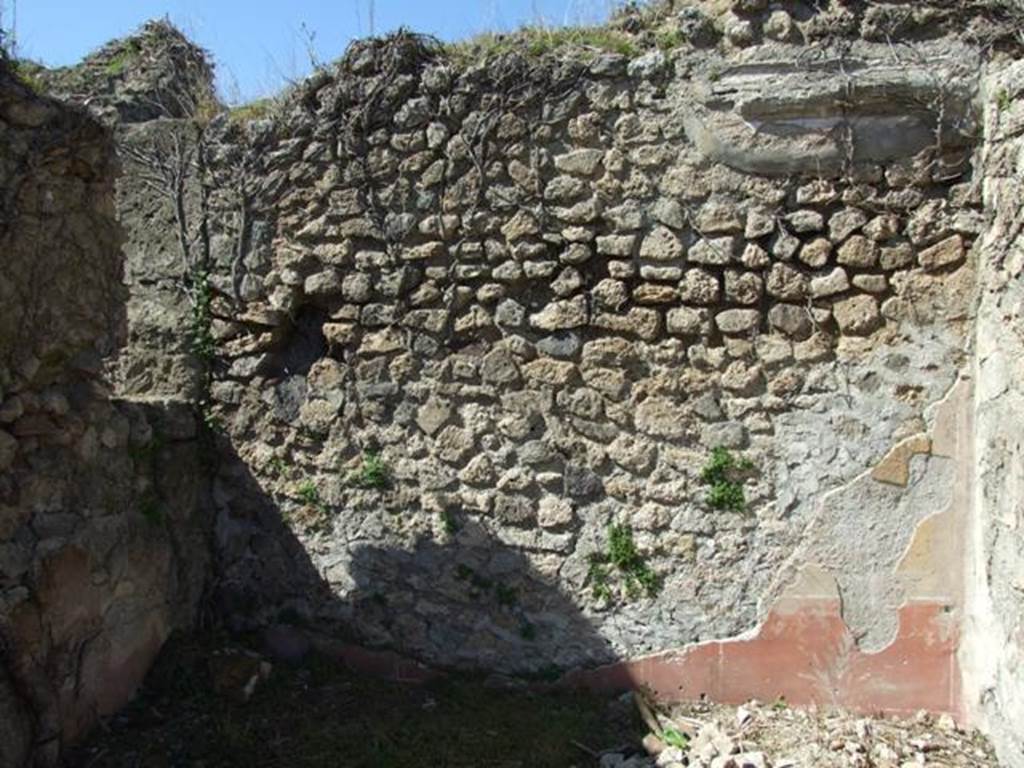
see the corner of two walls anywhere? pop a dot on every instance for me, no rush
(104, 545)
(992, 655)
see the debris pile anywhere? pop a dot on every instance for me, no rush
(758, 735)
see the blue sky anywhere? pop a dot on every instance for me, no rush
(260, 44)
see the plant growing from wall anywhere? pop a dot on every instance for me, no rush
(372, 473)
(450, 522)
(621, 561)
(722, 476)
(1003, 100)
(309, 494)
(151, 509)
(312, 515)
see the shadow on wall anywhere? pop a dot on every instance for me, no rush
(496, 612)
(466, 591)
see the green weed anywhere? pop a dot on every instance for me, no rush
(373, 472)
(668, 39)
(538, 41)
(201, 338)
(30, 74)
(254, 110)
(720, 473)
(675, 738)
(450, 522)
(1003, 100)
(309, 493)
(624, 560)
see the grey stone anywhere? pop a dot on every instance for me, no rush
(896, 257)
(737, 320)
(648, 66)
(790, 319)
(806, 221)
(787, 283)
(616, 245)
(685, 321)
(581, 482)
(568, 282)
(559, 315)
(499, 367)
(830, 284)
(433, 415)
(816, 252)
(729, 434)
(743, 287)
(661, 244)
(699, 286)
(871, 283)
(660, 417)
(716, 251)
(785, 245)
(760, 222)
(668, 212)
(323, 284)
(610, 293)
(844, 223)
(580, 162)
(564, 345)
(858, 251)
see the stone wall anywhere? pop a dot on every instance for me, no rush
(103, 534)
(994, 629)
(625, 368)
(475, 315)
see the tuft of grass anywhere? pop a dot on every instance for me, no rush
(373, 472)
(599, 579)
(623, 559)
(119, 62)
(537, 41)
(212, 422)
(668, 39)
(309, 493)
(200, 330)
(1003, 100)
(450, 522)
(254, 110)
(720, 473)
(30, 74)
